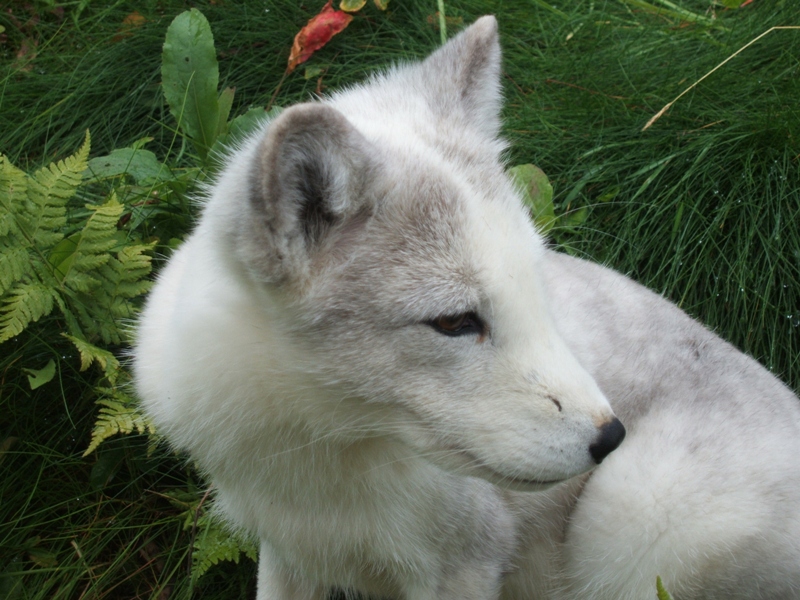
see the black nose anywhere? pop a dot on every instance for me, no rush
(611, 436)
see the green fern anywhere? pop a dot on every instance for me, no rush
(92, 354)
(56, 253)
(213, 541)
(86, 267)
(25, 303)
(118, 414)
(33, 211)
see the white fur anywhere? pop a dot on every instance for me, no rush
(291, 356)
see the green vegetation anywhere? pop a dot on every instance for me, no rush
(703, 206)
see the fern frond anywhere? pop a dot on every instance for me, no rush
(216, 543)
(125, 274)
(83, 282)
(48, 191)
(123, 279)
(14, 265)
(13, 186)
(90, 247)
(32, 212)
(118, 414)
(90, 354)
(91, 285)
(214, 540)
(25, 304)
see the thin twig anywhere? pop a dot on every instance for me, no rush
(667, 106)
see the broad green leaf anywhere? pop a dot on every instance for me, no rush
(141, 142)
(574, 218)
(242, 126)
(312, 72)
(249, 122)
(108, 464)
(537, 193)
(38, 377)
(140, 164)
(352, 5)
(382, 4)
(225, 103)
(62, 255)
(190, 75)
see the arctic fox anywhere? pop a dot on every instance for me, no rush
(391, 381)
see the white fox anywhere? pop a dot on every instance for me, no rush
(391, 382)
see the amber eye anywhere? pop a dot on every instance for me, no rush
(461, 324)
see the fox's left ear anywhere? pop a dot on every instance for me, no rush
(463, 76)
(308, 181)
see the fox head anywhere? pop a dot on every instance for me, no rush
(404, 268)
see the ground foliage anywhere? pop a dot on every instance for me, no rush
(703, 207)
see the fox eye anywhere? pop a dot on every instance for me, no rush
(461, 324)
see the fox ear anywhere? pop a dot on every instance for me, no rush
(309, 177)
(463, 76)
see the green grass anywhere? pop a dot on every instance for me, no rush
(703, 207)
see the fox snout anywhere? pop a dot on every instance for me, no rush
(611, 435)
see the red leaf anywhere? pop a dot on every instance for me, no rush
(317, 32)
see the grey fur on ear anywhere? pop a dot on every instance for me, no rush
(463, 76)
(308, 176)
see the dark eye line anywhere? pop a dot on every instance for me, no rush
(467, 323)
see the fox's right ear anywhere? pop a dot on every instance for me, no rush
(463, 76)
(308, 178)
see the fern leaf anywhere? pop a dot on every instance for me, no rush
(216, 544)
(83, 282)
(25, 304)
(91, 354)
(90, 248)
(123, 279)
(14, 265)
(214, 541)
(118, 414)
(13, 186)
(48, 191)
